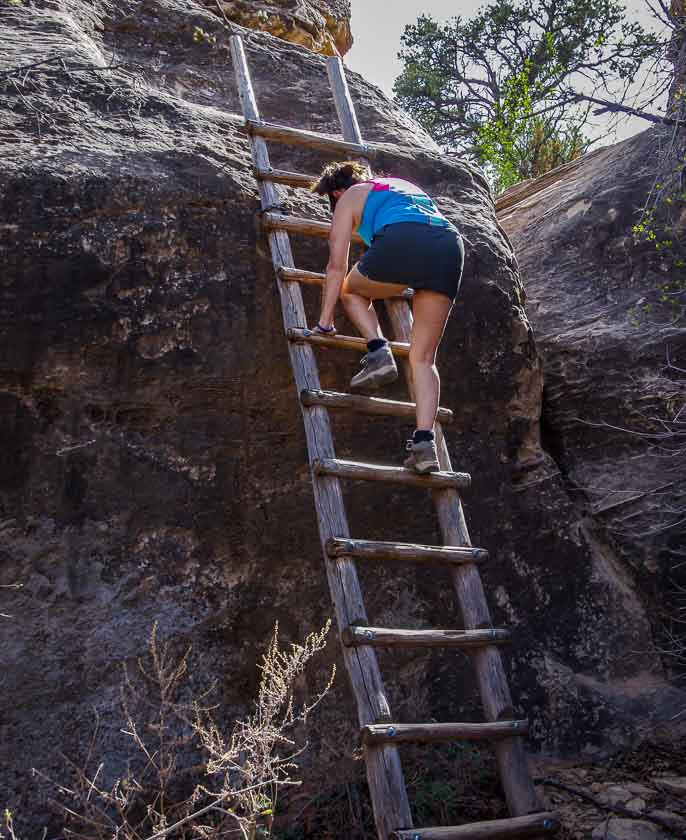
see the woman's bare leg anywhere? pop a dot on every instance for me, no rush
(430, 311)
(357, 295)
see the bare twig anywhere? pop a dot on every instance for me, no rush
(223, 14)
(64, 67)
(212, 806)
(21, 68)
(633, 498)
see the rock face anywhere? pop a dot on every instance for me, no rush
(612, 342)
(320, 25)
(619, 796)
(153, 462)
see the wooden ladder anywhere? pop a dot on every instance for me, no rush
(379, 734)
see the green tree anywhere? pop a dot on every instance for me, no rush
(505, 87)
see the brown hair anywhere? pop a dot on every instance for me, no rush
(339, 176)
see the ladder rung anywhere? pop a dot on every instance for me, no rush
(547, 822)
(315, 278)
(344, 342)
(425, 733)
(310, 139)
(433, 554)
(299, 275)
(389, 637)
(386, 783)
(368, 405)
(393, 475)
(299, 224)
(283, 176)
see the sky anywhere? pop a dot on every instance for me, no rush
(378, 24)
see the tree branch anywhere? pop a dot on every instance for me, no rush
(613, 107)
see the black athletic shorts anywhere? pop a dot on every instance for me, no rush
(416, 254)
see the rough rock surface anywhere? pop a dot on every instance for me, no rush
(153, 462)
(611, 345)
(624, 793)
(619, 829)
(320, 25)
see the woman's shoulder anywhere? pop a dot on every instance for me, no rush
(357, 194)
(362, 187)
(398, 185)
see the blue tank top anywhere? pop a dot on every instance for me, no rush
(393, 200)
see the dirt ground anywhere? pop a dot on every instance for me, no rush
(636, 795)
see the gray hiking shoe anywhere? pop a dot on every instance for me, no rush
(423, 457)
(378, 368)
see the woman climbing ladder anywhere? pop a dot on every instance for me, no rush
(411, 244)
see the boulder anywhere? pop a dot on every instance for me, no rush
(320, 25)
(605, 337)
(154, 466)
(153, 459)
(615, 795)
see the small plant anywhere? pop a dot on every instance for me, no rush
(259, 753)
(184, 774)
(200, 36)
(471, 793)
(661, 228)
(658, 230)
(7, 831)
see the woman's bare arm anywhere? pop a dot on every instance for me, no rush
(339, 250)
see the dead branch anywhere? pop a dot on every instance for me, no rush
(64, 67)
(608, 107)
(634, 498)
(23, 67)
(223, 14)
(211, 807)
(663, 822)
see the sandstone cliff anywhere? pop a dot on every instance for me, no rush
(153, 461)
(320, 25)
(609, 329)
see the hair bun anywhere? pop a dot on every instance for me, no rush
(338, 176)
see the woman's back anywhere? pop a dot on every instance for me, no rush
(392, 200)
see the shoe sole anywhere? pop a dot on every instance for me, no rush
(383, 376)
(424, 467)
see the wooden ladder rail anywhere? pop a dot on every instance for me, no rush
(342, 549)
(493, 685)
(384, 772)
